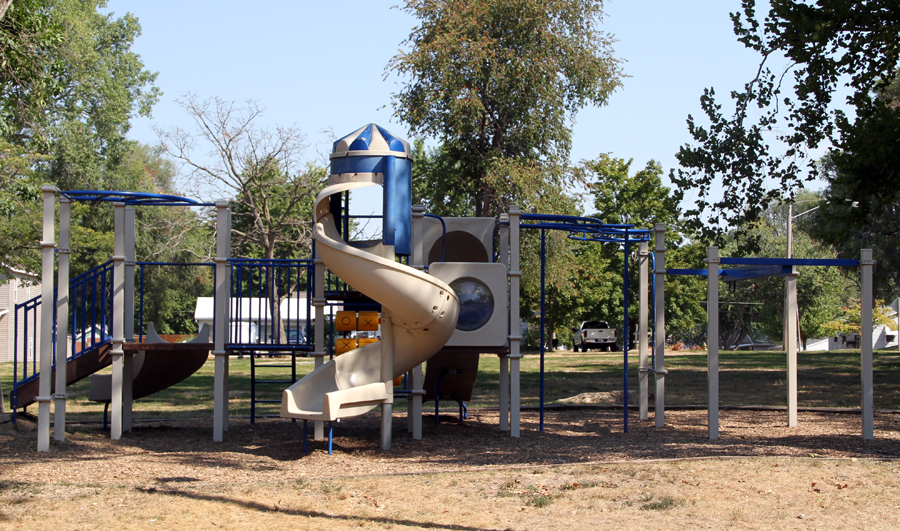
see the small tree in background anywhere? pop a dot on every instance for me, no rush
(850, 319)
(263, 173)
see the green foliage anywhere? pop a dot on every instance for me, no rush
(820, 290)
(498, 82)
(69, 84)
(852, 221)
(438, 183)
(849, 321)
(640, 199)
(761, 152)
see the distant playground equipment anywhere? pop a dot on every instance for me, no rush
(441, 290)
(751, 268)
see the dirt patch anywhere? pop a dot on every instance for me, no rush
(581, 472)
(611, 397)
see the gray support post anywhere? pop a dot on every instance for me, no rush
(128, 319)
(129, 274)
(504, 256)
(119, 397)
(62, 319)
(712, 339)
(514, 338)
(791, 346)
(418, 261)
(418, 393)
(643, 328)
(46, 338)
(867, 302)
(319, 301)
(659, 322)
(387, 376)
(222, 311)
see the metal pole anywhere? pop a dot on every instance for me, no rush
(119, 396)
(418, 259)
(791, 347)
(659, 347)
(46, 337)
(128, 318)
(514, 338)
(865, 333)
(643, 323)
(627, 338)
(543, 319)
(62, 320)
(712, 339)
(222, 310)
(513, 330)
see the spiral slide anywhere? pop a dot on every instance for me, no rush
(423, 312)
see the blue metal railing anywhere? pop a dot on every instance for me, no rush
(90, 296)
(267, 311)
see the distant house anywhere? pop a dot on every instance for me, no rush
(883, 337)
(15, 288)
(251, 319)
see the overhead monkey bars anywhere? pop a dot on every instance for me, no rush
(595, 230)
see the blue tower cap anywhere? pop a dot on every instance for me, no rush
(371, 140)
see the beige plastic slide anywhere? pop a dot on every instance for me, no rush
(423, 313)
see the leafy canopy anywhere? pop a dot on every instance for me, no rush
(762, 151)
(498, 83)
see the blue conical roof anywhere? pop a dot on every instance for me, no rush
(371, 140)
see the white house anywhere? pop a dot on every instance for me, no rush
(16, 288)
(252, 318)
(883, 337)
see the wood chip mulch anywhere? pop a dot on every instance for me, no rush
(168, 452)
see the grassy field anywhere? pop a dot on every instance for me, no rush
(826, 379)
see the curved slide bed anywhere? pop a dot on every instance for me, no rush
(423, 311)
(158, 365)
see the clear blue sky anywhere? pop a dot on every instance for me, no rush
(321, 65)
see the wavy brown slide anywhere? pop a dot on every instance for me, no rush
(158, 364)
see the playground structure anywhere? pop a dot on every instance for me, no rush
(751, 268)
(447, 289)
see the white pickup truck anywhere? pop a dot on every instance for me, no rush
(593, 334)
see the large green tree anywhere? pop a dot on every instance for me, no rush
(69, 84)
(812, 53)
(757, 306)
(497, 83)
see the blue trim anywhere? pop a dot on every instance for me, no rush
(394, 143)
(132, 198)
(443, 234)
(790, 261)
(366, 164)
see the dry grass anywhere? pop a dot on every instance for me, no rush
(582, 472)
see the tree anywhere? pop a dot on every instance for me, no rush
(261, 172)
(498, 84)
(757, 306)
(872, 220)
(773, 132)
(849, 321)
(69, 84)
(641, 200)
